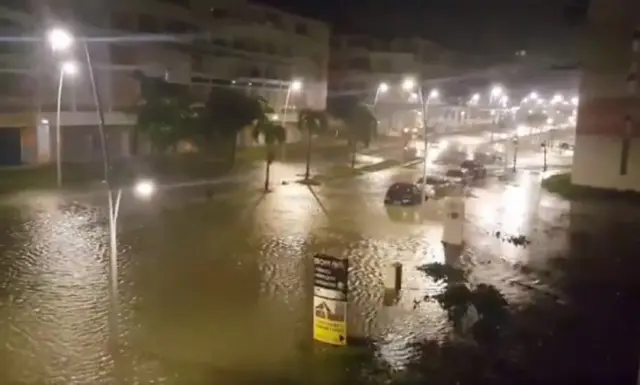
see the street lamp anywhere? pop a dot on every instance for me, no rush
(294, 86)
(381, 89)
(60, 39)
(533, 95)
(69, 68)
(496, 91)
(409, 84)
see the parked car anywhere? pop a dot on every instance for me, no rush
(458, 176)
(436, 186)
(403, 194)
(476, 169)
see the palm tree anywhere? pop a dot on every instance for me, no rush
(312, 122)
(272, 134)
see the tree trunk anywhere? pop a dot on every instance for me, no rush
(307, 173)
(354, 146)
(267, 171)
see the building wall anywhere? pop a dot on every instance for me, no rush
(607, 136)
(194, 42)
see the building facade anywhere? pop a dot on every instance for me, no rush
(199, 43)
(607, 146)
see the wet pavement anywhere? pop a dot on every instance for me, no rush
(215, 287)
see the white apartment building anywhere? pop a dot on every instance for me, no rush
(199, 43)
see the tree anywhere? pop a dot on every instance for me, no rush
(226, 113)
(272, 134)
(311, 122)
(362, 126)
(164, 112)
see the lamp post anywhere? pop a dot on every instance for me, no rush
(62, 40)
(67, 68)
(408, 85)
(294, 86)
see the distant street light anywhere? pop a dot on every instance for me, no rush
(533, 95)
(496, 91)
(69, 68)
(383, 87)
(409, 84)
(296, 85)
(60, 39)
(475, 98)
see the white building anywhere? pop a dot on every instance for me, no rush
(200, 43)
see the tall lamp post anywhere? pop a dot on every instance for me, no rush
(69, 68)
(62, 40)
(409, 85)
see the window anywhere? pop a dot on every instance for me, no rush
(179, 27)
(17, 5)
(302, 29)
(274, 19)
(360, 63)
(270, 48)
(197, 63)
(219, 13)
(180, 3)
(122, 21)
(148, 24)
(255, 72)
(12, 83)
(122, 54)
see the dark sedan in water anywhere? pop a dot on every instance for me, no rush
(405, 194)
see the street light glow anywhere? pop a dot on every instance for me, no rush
(383, 87)
(533, 95)
(496, 91)
(575, 100)
(296, 85)
(69, 68)
(408, 84)
(434, 94)
(60, 39)
(475, 97)
(144, 188)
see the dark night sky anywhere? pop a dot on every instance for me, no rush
(539, 26)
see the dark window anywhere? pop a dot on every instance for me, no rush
(180, 3)
(12, 83)
(219, 13)
(122, 21)
(17, 5)
(219, 42)
(123, 54)
(148, 24)
(255, 72)
(270, 48)
(274, 19)
(302, 29)
(197, 63)
(179, 27)
(360, 63)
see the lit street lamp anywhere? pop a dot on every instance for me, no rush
(62, 40)
(294, 86)
(382, 88)
(409, 84)
(69, 68)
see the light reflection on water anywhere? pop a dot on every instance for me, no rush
(216, 285)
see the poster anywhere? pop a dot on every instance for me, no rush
(330, 289)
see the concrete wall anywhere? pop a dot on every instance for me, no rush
(609, 108)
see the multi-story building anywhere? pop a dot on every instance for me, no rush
(360, 65)
(199, 43)
(607, 145)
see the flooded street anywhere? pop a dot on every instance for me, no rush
(217, 287)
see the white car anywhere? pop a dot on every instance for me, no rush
(458, 176)
(436, 186)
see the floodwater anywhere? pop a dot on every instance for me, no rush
(215, 287)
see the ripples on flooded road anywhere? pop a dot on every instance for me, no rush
(211, 290)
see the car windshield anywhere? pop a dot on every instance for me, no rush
(455, 174)
(468, 164)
